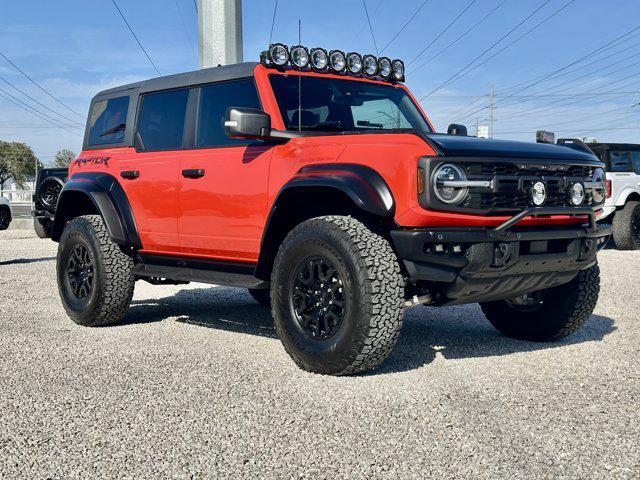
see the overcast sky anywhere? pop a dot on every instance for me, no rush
(74, 48)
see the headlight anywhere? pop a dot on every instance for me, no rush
(398, 70)
(384, 67)
(278, 54)
(337, 61)
(599, 177)
(444, 181)
(319, 58)
(576, 194)
(354, 63)
(370, 65)
(299, 56)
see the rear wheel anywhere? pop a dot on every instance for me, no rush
(626, 227)
(95, 277)
(549, 314)
(42, 226)
(261, 295)
(337, 296)
(5, 218)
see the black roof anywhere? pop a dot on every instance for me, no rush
(621, 146)
(186, 79)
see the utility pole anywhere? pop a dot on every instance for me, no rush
(491, 110)
(219, 32)
(477, 126)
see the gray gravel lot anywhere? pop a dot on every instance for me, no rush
(196, 385)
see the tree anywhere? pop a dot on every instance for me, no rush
(17, 162)
(63, 158)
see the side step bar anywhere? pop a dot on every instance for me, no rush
(231, 274)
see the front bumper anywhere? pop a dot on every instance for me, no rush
(472, 264)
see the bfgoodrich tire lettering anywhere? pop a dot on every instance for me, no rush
(626, 227)
(112, 284)
(373, 295)
(563, 311)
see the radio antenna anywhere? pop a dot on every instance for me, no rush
(299, 80)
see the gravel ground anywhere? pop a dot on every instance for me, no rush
(196, 385)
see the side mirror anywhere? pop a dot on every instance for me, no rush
(457, 129)
(247, 123)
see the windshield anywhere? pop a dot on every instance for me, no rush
(338, 105)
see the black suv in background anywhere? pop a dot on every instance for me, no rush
(49, 184)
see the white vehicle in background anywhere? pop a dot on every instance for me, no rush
(5, 213)
(622, 206)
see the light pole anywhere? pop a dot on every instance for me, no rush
(219, 32)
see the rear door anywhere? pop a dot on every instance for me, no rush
(223, 183)
(149, 175)
(623, 171)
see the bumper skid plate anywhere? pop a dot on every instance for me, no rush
(472, 264)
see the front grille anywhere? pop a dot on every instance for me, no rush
(512, 183)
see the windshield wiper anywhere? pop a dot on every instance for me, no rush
(367, 123)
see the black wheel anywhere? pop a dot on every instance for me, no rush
(261, 295)
(95, 277)
(42, 226)
(49, 192)
(5, 218)
(626, 227)
(549, 314)
(337, 295)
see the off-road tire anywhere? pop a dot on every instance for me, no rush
(5, 218)
(261, 295)
(42, 226)
(113, 283)
(374, 295)
(623, 228)
(565, 309)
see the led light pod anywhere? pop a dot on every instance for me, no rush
(397, 68)
(538, 193)
(354, 63)
(278, 54)
(384, 67)
(576, 194)
(319, 59)
(337, 61)
(370, 65)
(299, 56)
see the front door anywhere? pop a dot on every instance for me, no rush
(223, 182)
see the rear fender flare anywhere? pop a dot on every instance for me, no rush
(108, 198)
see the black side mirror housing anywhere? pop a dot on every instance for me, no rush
(457, 129)
(247, 123)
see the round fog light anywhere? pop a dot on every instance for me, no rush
(538, 193)
(576, 194)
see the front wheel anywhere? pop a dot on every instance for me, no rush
(549, 314)
(95, 277)
(337, 296)
(42, 227)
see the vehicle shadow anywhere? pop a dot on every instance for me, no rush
(18, 261)
(454, 332)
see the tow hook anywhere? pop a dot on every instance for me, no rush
(501, 254)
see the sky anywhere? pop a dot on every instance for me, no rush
(561, 65)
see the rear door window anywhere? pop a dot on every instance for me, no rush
(161, 119)
(108, 121)
(214, 101)
(620, 161)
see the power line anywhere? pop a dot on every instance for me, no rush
(536, 26)
(135, 36)
(555, 72)
(413, 15)
(443, 31)
(273, 20)
(460, 37)
(195, 4)
(455, 75)
(39, 86)
(36, 101)
(375, 44)
(184, 26)
(23, 104)
(572, 130)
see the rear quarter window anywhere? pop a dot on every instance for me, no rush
(108, 121)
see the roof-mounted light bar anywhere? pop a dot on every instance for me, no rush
(299, 57)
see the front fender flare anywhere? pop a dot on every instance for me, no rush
(108, 198)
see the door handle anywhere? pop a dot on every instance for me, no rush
(130, 174)
(193, 173)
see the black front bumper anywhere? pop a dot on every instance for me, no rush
(473, 264)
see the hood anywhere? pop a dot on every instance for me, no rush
(460, 146)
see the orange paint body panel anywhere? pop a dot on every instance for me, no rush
(223, 214)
